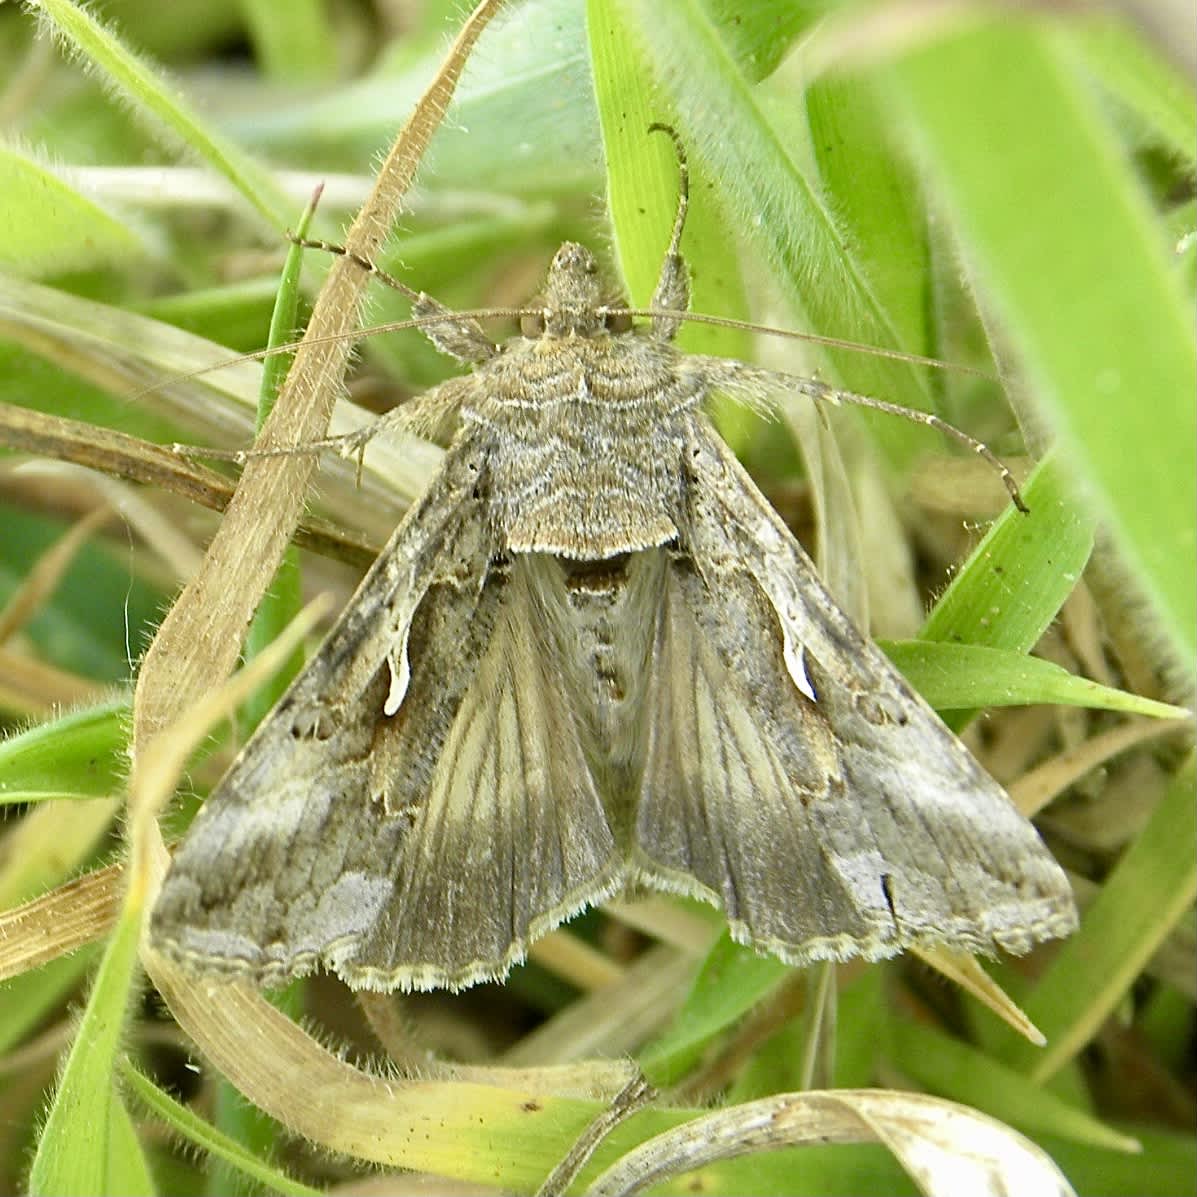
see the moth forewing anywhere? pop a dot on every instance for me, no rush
(830, 812)
(383, 842)
(286, 859)
(594, 654)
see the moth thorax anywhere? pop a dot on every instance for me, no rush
(572, 295)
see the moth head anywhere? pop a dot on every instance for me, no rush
(572, 297)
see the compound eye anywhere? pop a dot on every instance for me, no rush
(532, 325)
(618, 322)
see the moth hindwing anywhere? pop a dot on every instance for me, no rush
(593, 655)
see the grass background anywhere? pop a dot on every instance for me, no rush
(1010, 194)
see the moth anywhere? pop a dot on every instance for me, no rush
(592, 656)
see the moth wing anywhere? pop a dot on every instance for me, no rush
(795, 778)
(379, 821)
(512, 836)
(289, 856)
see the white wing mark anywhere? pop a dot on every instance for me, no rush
(795, 658)
(400, 675)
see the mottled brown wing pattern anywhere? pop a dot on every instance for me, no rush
(510, 837)
(734, 765)
(288, 857)
(593, 652)
(796, 778)
(392, 844)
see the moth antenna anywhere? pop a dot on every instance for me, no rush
(673, 284)
(683, 187)
(671, 301)
(419, 323)
(768, 330)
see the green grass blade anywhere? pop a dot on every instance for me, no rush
(1152, 89)
(28, 1000)
(153, 100)
(964, 676)
(948, 1068)
(642, 196)
(283, 600)
(116, 347)
(768, 199)
(875, 200)
(128, 1169)
(1151, 887)
(732, 980)
(503, 137)
(1016, 580)
(50, 227)
(205, 1136)
(83, 1147)
(1018, 577)
(1082, 284)
(1165, 1168)
(79, 755)
(76, 627)
(293, 42)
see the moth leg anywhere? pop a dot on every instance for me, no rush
(432, 415)
(758, 388)
(461, 337)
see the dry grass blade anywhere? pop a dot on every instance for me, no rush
(1034, 790)
(50, 843)
(85, 909)
(614, 1020)
(31, 687)
(111, 452)
(969, 975)
(799, 996)
(287, 1073)
(53, 924)
(123, 456)
(947, 1148)
(45, 575)
(200, 637)
(575, 961)
(663, 919)
(634, 1096)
